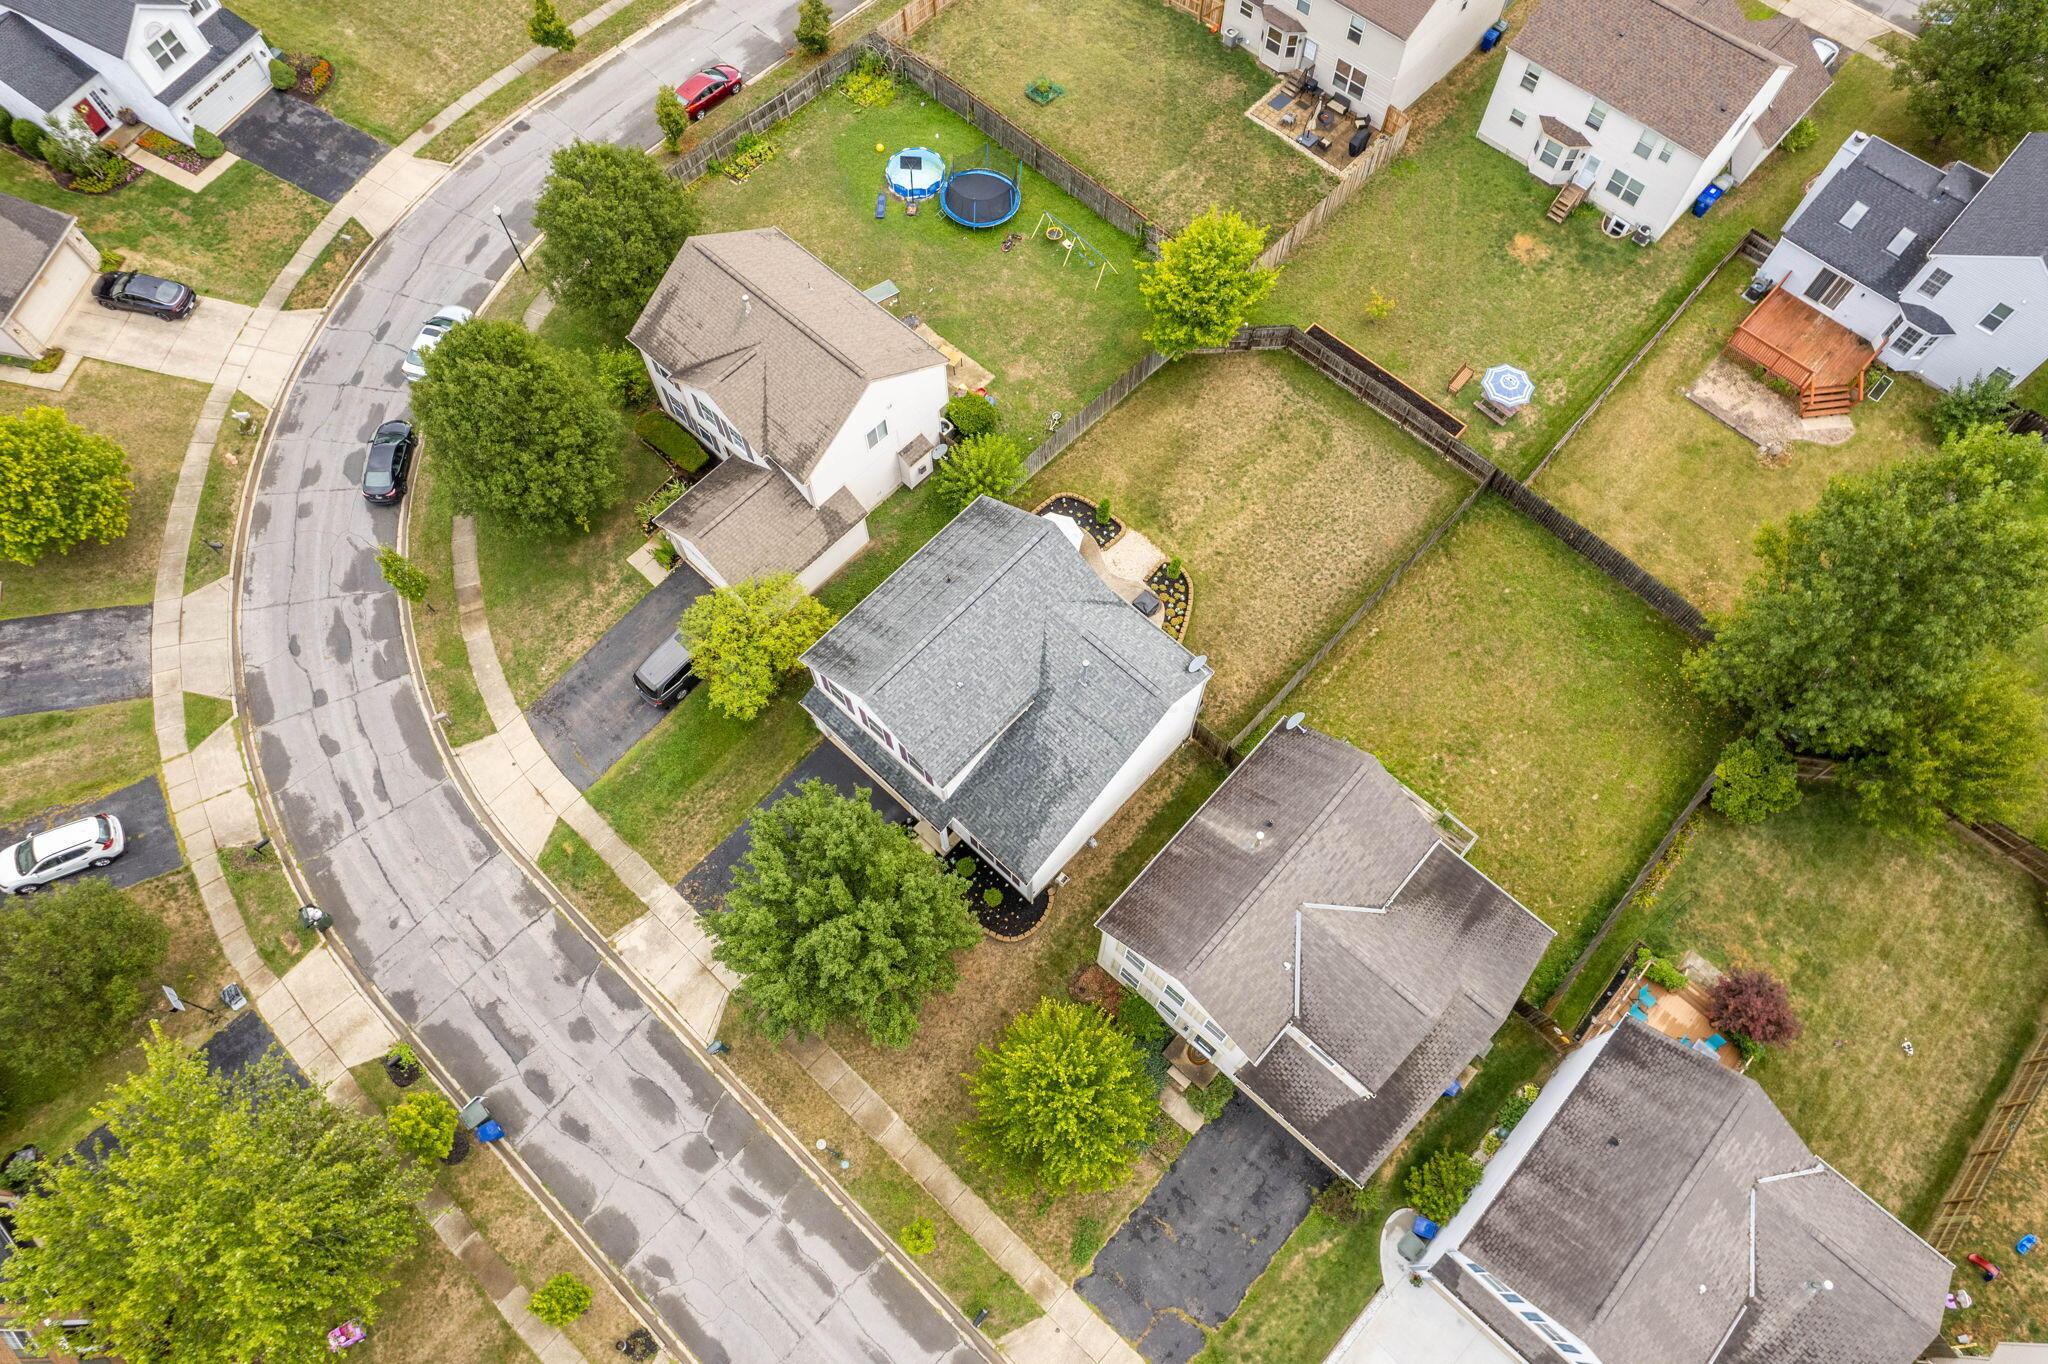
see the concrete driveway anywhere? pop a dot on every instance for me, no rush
(304, 145)
(74, 659)
(1207, 1230)
(593, 714)
(195, 347)
(152, 848)
(705, 884)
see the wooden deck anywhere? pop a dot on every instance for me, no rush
(1818, 356)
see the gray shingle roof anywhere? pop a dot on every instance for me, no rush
(34, 63)
(995, 645)
(1663, 64)
(749, 520)
(102, 23)
(2009, 216)
(225, 31)
(1926, 319)
(1659, 1187)
(1899, 191)
(1256, 905)
(782, 344)
(29, 234)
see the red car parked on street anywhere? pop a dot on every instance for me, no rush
(704, 91)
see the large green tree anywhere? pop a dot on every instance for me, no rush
(77, 966)
(743, 639)
(1978, 72)
(1869, 631)
(522, 432)
(60, 485)
(614, 220)
(233, 1220)
(1062, 1103)
(837, 914)
(1204, 284)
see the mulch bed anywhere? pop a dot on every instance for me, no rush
(1093, 985)
(130, 173)
(1103, 530)
(1016, 917)
(316, 74)
(1176, 595)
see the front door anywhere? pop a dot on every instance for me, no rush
(92, 116)
(1308, 54)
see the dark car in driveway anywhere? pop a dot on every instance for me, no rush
(667, 676)
(709, 88)
(130, 291)
(390, 462)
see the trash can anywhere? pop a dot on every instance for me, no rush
(1708, 197)
(488, 1130)
(475, 1113)
(1491, 38)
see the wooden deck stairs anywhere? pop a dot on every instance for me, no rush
(1823, 360)
(1568, 198)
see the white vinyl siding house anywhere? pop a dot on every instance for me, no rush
(1376, 53)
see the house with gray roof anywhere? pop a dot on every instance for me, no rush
(1316, 931)
(176, 65)
(1003, 693)
(1637, 106)
(817, 401)
(1654, 1205)
(1942, 270)
(46, 265)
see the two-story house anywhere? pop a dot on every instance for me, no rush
(818, 401)
(1376, 53)
(998, 688)
(177, 65)
(1655, 1205)
(1639, 105)
(1941, 270)
(1316, 931)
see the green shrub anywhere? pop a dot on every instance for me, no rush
(560, 1300)
(992, 897)
(870, 84)
(622, 374)
(1103, 515)
(282, 77)
(1344, 1204)
(403, 1056)
(27, 135)
(671, 117)
(1175, 569)
(6, 129)
(547, 29)
(423, 1124)
(749, 151)
(112, 260)
(1800, 136)
(918, 1236)
(1515, 1109)
(1439, 1186)
(48, 361)
(206, 144)
(1142, 1023)
(814, 26)
(1755, 779)
(966, 867)
(1491, 1142)
(973, 414)
(986, 465)
(1209, 1100)
(1660, 972)
(667, 435)
(1085, 1242)
(665, 553)
(1980, 402)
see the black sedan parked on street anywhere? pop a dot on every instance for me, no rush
(390, 462)
(129, 291)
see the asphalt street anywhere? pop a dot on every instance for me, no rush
(73, 659)
(145, 822)
(594, 713)
(723, 1230)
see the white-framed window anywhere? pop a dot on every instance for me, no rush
(1247, 9)
(1901, 239)
(1550, 151)
(1625, 188)
(1828, 289)
(1517, 118)
(167, 49)
(879, 434)
(1356, 33)
(1935, 282)
(1854, 213)
(1301, 5)
(1531, 76)
(1135, 959)
(2003, 376)
(1282, 44)
(1664, 150)
(1208, 1047)
(1995, 319)
(1907, 338)
(1928, 344)
(1349, 79)
(1646, 142)
(198, 7)
(1596, 116)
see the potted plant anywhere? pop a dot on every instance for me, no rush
(402, 1064)
(639, 1344)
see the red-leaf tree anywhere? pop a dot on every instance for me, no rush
(1754, 1003)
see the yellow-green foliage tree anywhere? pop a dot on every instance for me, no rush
(1062, 1103)
(1204, 284)
(60, 486)
(744, 638)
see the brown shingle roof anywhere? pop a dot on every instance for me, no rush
(782, 344)
(1560, 131)
(29, 236)
(1398, 17)
(1660, 63)
(749, 520)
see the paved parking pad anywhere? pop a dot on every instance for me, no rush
(705, 884)
(1191, 1250)
(304, 145)
(74, 659)
(593, 714)
(152, 848)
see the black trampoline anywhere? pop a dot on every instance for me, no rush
(980, 197)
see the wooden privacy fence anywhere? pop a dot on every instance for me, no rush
(1208, 12)
(1383, 150)
(1952, 1214)
(1072, 429)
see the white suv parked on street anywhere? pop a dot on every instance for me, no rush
(34, 862)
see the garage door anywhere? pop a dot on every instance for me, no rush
(230, 91)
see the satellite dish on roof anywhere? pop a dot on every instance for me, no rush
(1198, 662)
(1294, 721)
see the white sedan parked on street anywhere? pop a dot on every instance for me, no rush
(438, 326)
(36, 861)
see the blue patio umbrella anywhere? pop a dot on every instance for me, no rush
(1508, 386)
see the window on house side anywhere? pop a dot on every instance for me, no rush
(1356, 33)
(1517, 118)
(1664, 151)
(1827, 289)
(875, 436)
(1549, 152)
(1596, 115)
(1907, 338)
(1246, 8)
(1995, 319)
(1301, 5)
(1624, 188)
(1349, 79)
(2004, 376)
(1934, 283)
(1531, 76)
(1208, 1047)
(1646, 142)
(167, 50)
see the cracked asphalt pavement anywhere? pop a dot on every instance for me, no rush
(725, 1232)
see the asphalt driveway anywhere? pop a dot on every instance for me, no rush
(152, 847)
(73, 659)
(304, 145)
(705, 884)
(1191, 1250)
(593, 714)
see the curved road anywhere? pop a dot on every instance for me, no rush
(739, 1250)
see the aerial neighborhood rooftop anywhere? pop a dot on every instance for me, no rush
(1188, 681)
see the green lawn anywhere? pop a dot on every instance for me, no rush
(62, 757)
(1880, 938)
(1052, 338)
(1455, 234)
(444, 655)
(574, 866)
(220, 497)
(1287, 500)
(151, 417)
(324, 276)
(203, 715)
(2014, 1204)
(1154, 108)
(1512, 683)
(269, 906)
(227, 241)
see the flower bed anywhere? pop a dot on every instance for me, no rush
(1013, 917)
(1176, 594)
(120, 172)
(1103, 529)
(316, 73)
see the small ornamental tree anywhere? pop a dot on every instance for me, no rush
(1211, 1099)
(918, 1236)
(546, 28)
(671, 117)
(987, 465)
(1978, 70)
(1439, 1186)
(407, 579)
(836, 914)
(1753, 1003)
(973, 414)
(1204, 283)
(814, 26)
(1755, 779)
(423, 1123)
(60, 486)
(77, 967)
(1981, 401)
(522, 432)
(1972, 754)
(1061, 1103)
(560, 1300)
(743, 639)
(614, 221)
(230, 1219)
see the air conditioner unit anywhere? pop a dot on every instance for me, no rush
(1642, 236)
(1616, 227)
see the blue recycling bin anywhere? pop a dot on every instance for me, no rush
(489, 1130)
(1708, 197)
(1491, 38)
(2025, 1245)
(1424, 1228)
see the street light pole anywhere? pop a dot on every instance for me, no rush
(499, 213)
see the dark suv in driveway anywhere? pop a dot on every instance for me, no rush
(666, 677)
(390, 462)
(130, 292)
